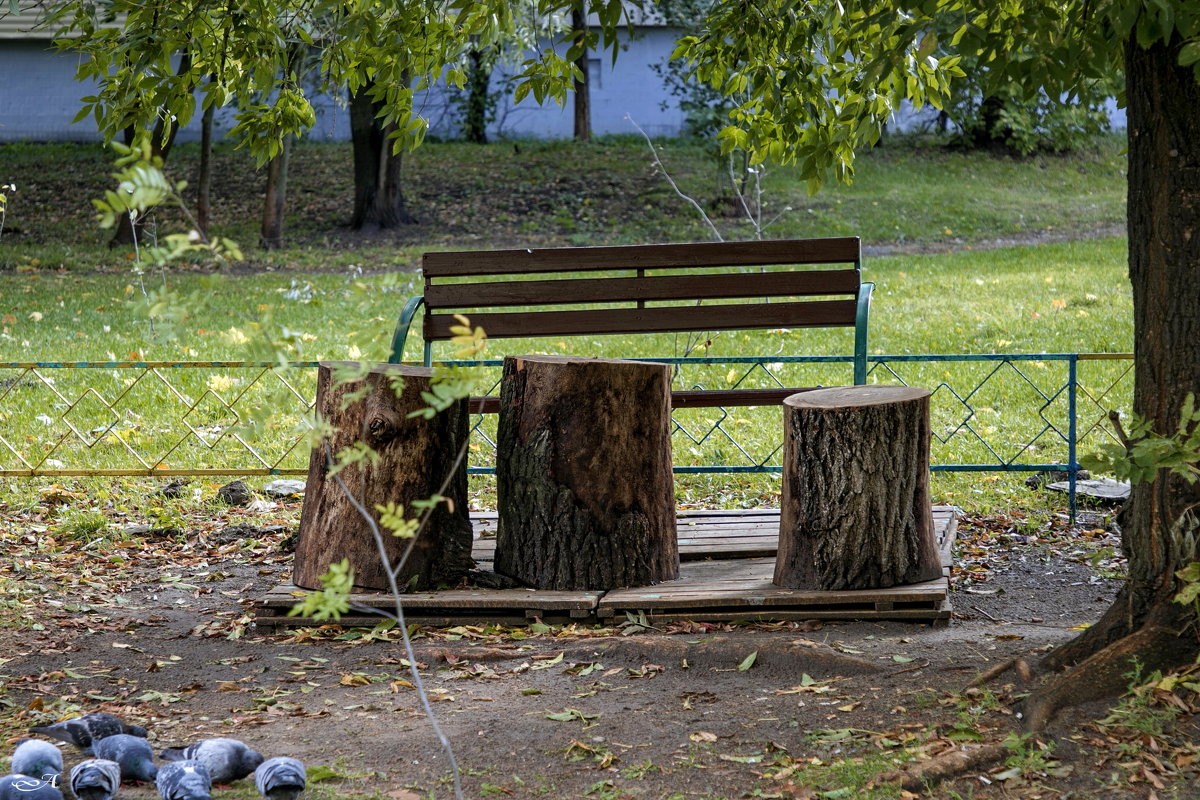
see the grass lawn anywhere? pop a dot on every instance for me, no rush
(66, 297)
(910, 193)
(1068, 297)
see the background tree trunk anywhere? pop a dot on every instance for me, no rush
(378, 198)
(416, 457)
(856, 510)
(271, 237)
(204, 172)
(162, 139)
(583, 473)
(583, 100)
(1164, 262)
(476, 118)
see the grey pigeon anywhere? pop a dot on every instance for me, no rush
(23, 787)
(133, 754)
(227, 760)
(95, 779)
(37, 759)
(280, 778)
(82, 731)
(184, 780)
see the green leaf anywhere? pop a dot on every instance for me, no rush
(320, 772)
(748, 662)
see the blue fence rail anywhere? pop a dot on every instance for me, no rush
(990, 413)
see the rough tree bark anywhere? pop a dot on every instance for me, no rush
(583, 474)
(1163, 211)
(583, 99)
(378, 197)
(856, 510)
(416, 458)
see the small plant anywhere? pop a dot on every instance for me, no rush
(83, 523)
(638, 771)
(1029, 758)
(1140, 715)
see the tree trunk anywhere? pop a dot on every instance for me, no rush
(162, 139)
(1163, 213)
(418, 459)
(583, 100)
(583, 473)
(988, 130)
(475, 121)
(856, 511)
(204, 176)
(378, 198)
(271, 237)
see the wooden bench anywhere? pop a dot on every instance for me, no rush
(690, 285)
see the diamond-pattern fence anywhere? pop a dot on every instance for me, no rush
(153, 418)
(990, 413)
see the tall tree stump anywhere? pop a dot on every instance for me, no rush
(583, 473)
(418, 458)
(856, 508)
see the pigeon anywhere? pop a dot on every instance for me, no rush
(132, 753)
(23, 787)
(82, 731)
(95, 779)
(227, 760)
(37, 759)
(184, 780)
(280, 778)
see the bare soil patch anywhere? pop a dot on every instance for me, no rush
(689, 711)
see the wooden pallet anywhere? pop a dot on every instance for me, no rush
(725, 575)
(447, 607)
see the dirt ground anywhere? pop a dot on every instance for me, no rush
(683, 712)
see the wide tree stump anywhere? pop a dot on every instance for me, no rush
(583, 473)
(416, 457)
(856, 510)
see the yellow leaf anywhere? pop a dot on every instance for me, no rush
(353, 679)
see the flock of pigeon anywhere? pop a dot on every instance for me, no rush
(121, 754)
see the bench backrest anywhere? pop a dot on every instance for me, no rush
(487, 285)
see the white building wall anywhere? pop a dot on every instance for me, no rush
(39, 97)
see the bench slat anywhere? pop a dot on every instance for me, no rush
(841, 250)
(666, 287)
(688, 398)
(818, 313)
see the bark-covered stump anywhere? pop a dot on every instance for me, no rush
(416, 457)
(583, 474)
(856, 511)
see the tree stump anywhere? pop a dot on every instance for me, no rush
(856, 509)
(583, 474)
(418, 458)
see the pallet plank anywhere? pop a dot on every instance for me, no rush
(726, 576)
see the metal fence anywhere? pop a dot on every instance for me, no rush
(990, 413)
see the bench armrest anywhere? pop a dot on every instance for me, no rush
(861, 315)
(402, 326)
